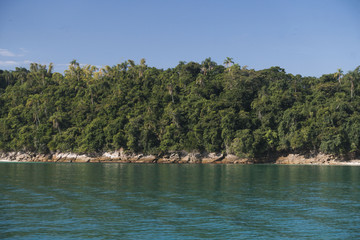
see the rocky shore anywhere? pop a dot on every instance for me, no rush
(180, 157)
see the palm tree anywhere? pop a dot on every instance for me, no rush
(74, 63)
(89, 70)
(124, 66)
(132, 68)
(132, 63)
(228, 61)
(339, 74)
(43, 71)
(107, 71)
(34, 67)
(74, 68)
(50, 68)
(208, 65)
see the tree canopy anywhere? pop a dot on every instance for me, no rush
(193, 107)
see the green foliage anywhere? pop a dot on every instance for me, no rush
(242, 144)
(194, 106)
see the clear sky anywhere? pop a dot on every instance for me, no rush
(307, 37)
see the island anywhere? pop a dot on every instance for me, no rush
(192, 113)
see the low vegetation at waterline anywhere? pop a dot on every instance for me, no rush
(203, 107)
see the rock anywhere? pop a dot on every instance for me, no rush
(165, 160)
(58, 156)
(94, 160)
(230, 158)
(112, 155)
(290, 159)
(11, 156)
(177, 157)
(71, 156)
(64, 157)
(195, 158)
(42, 158)
(55, 157)
(128, 157)
(212, 158)
(320, 158)
(146, 159)
(22, 157)
(132, 157)
(244, 161)
(82, 158)
(185, 158)
(172, 158)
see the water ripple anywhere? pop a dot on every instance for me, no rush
(107, 201)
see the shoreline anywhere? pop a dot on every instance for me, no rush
(180, 157)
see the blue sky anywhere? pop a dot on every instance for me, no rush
(307, 37)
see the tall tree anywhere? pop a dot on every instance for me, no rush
(338, 75)
(228, 61)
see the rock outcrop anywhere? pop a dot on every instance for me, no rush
(180, 157)
(320, 158)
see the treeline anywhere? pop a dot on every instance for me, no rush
(194, 106)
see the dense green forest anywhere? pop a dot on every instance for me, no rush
(194, 106)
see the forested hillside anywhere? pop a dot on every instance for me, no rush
(194, 106)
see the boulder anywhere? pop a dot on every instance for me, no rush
(112, 155)
(146, 159)
(212, 158)
(172, 158)
(42, 158)
(82, 158)
(230, 158)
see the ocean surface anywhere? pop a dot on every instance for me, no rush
(154, 201)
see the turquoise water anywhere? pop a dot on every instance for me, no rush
(154, 201)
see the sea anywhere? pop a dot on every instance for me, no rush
(178, 201)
